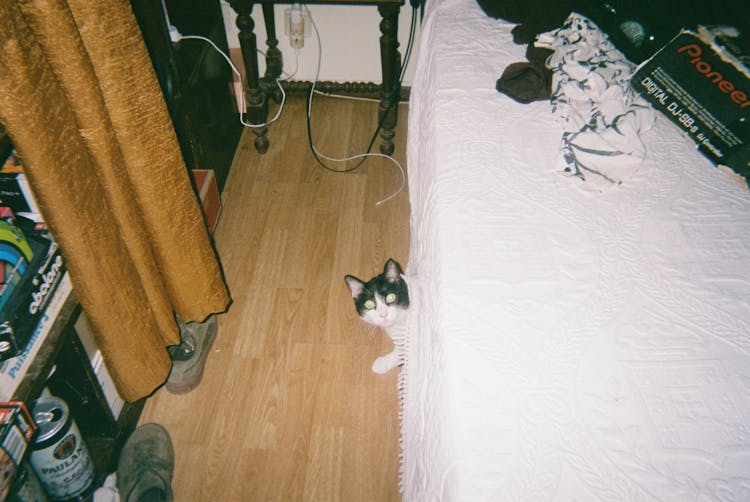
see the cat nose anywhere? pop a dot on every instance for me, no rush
(383, 314)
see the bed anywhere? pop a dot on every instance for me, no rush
(564, 344)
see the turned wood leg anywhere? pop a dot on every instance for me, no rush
(274, 59)
(255, 102)
(391, 67)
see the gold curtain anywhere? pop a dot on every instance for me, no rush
(80, 99)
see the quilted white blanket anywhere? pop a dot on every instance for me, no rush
(564, 346)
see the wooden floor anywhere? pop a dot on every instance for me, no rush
(288, 408)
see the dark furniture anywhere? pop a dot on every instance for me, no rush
(258, 89)
(195, 80)
(62, 364)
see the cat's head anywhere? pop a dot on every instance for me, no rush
(382, 300)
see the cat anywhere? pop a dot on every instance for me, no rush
(383, 301)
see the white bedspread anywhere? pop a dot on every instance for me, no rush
(564, 346)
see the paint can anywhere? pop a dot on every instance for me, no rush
(58, 454)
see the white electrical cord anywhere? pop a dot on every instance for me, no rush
(352, 98)
(353, 157)
(177, 37)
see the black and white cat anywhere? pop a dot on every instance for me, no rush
(383, 302)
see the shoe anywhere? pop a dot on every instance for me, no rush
(189, 358)
(146, 466)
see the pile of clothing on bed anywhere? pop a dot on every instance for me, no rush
(601, 115)
(574, 64)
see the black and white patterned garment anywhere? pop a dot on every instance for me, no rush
(601, 115)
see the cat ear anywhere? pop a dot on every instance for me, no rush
(392, 270)
(355, 286)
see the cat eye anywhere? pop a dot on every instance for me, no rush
(369, 304)
(390, 298)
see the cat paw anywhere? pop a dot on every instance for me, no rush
(385, 364)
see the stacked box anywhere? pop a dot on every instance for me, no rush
(15, 255)
(702, 83)
(15, 190)
(17, 429)
(25, 304)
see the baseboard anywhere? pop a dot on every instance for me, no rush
(356, 89)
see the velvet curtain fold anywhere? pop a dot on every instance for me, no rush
(80, 99)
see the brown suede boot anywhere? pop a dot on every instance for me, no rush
(146, 466)
(189, 358)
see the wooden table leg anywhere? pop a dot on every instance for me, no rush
(274, 59)
(256, 102)
(391, 67)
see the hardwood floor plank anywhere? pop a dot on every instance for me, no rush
(324, 465)
(288, 408)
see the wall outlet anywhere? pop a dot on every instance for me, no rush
(297, 25)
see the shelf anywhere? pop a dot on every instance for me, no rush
(57, 345)
(22, 377)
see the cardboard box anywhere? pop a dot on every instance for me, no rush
(13, 370)
(700, 82)
(15, 190)
(86, 336)
(235, 55)
(25, 297)
(22, 311)
(15, 255)
(17, 429)
(208, 192)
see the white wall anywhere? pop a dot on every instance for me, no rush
(349, 37)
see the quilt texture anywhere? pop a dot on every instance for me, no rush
(564, 346)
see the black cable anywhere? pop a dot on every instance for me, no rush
(409, 44)
(361, 161)
(394, 102)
